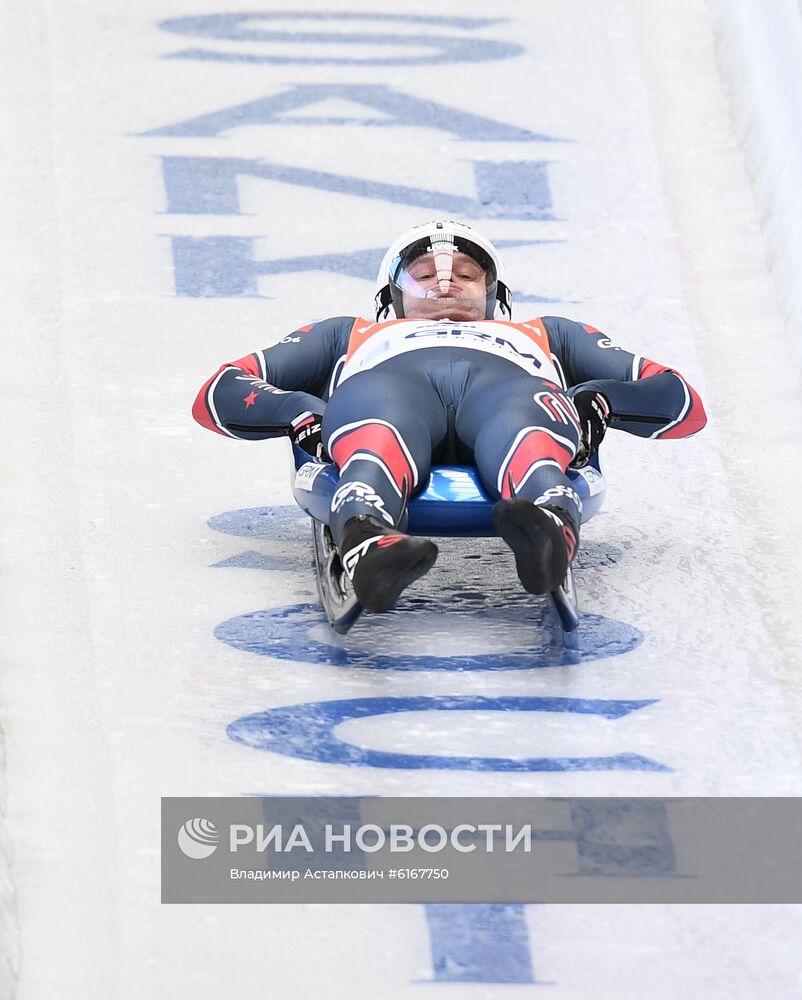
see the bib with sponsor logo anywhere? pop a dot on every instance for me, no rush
(525, 344)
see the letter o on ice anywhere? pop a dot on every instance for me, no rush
(383, 48)
(307, 731)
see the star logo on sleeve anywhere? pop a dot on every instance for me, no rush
(249, 400)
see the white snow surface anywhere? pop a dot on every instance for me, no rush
(113, 689)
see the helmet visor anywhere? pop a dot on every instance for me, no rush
(443, 278)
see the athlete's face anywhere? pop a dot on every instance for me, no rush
(456, 292)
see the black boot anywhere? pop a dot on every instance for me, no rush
(543, 540)
(382, 562)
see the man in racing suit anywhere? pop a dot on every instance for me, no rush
(445, 381)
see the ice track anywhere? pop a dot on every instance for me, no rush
(164, 209)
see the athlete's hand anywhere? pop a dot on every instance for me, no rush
(305, 431)
(594, 417)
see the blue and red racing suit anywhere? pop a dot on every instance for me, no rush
(399, 395)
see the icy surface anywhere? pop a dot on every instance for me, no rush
(144, 615)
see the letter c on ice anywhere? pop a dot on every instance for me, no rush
(307, 731)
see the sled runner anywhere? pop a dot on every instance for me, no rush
(453, 503)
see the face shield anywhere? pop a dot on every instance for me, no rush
(443, 278)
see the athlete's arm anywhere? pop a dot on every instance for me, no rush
(265, 394)
(646, 398)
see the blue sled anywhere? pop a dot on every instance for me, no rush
(453, 503)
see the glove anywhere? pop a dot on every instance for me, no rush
(594, 413)
(306, 431)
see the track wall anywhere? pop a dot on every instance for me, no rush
(759, 46)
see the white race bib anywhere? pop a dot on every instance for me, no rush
(373, 343)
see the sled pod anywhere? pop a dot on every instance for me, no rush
(453, 501)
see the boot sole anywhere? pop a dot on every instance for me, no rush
(530, 534)
(410, 564)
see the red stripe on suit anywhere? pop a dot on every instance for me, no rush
(535, 447)
(381, 441)
(695, 419)
(200, 408)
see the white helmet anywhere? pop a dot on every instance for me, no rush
(442, 239)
